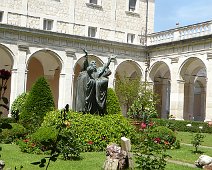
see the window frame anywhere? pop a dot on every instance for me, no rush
(90, 1)
(130, 38)
(47, 23)
(129, 9)
(1, 16)
(90, 29)
(97, 5)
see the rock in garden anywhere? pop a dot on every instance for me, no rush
(117, 158)
(203, 160)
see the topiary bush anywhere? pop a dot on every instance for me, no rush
(9, 135)
(38, 102)
(94, 132)
(112, 102)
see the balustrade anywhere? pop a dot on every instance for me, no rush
(181, 33)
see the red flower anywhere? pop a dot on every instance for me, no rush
(157, 140)
(90, 142)
(166, 142)
(33, 144)
(26, 140)
(143, 125)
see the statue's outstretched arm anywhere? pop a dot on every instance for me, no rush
(105, 66)
(85, 63)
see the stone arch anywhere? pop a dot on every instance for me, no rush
(128, 68)
(131, 70)
(48, 64)
(194, 74)
(7, 63)
(77, 69)
(160, 76)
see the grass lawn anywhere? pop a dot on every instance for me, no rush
(185, 137)
(185, 153)
(14, 157)
(171, 166)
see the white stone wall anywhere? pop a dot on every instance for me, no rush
(111, 17)
(33, 22)
(14, 19)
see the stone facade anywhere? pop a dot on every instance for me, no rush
(74, 17)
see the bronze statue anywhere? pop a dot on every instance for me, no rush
(92, 84)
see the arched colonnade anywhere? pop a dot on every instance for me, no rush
(182, 86)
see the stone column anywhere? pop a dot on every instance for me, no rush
(19, 74)
(177, 99)
(13, 91)
(164, 103)
(191, 102)
(66, 80)
(208, 113)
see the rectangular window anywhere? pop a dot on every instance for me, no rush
(130, 38)
(1, 16)
(92, 31)
(47, 24)
(93, 1)
(132, 5)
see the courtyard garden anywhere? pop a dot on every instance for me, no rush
(40, 136)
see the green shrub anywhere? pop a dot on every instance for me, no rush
(163, 135)
(38, 102)
(44, 136)
(44, 140)
(9, 135)
(18, 103)
(7, 120)
(112, 103)
(94, 132)
(180, 125)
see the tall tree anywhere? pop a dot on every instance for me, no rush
(127, 90)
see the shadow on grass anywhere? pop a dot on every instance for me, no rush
(196, 152)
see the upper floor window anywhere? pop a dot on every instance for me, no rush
(47, 24)
(1, 16)
(97, 4)
(92, 31)
(93, 1)
(132, 5)
(130, 38)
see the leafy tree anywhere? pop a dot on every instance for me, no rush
(112, 102)
(144, 107)
(37, 104)
(127, 90)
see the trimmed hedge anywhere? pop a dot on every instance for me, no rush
(180, 125)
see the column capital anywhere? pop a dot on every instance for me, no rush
(71, 53)
(181, 81)
(209, 56)
(23, 47)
